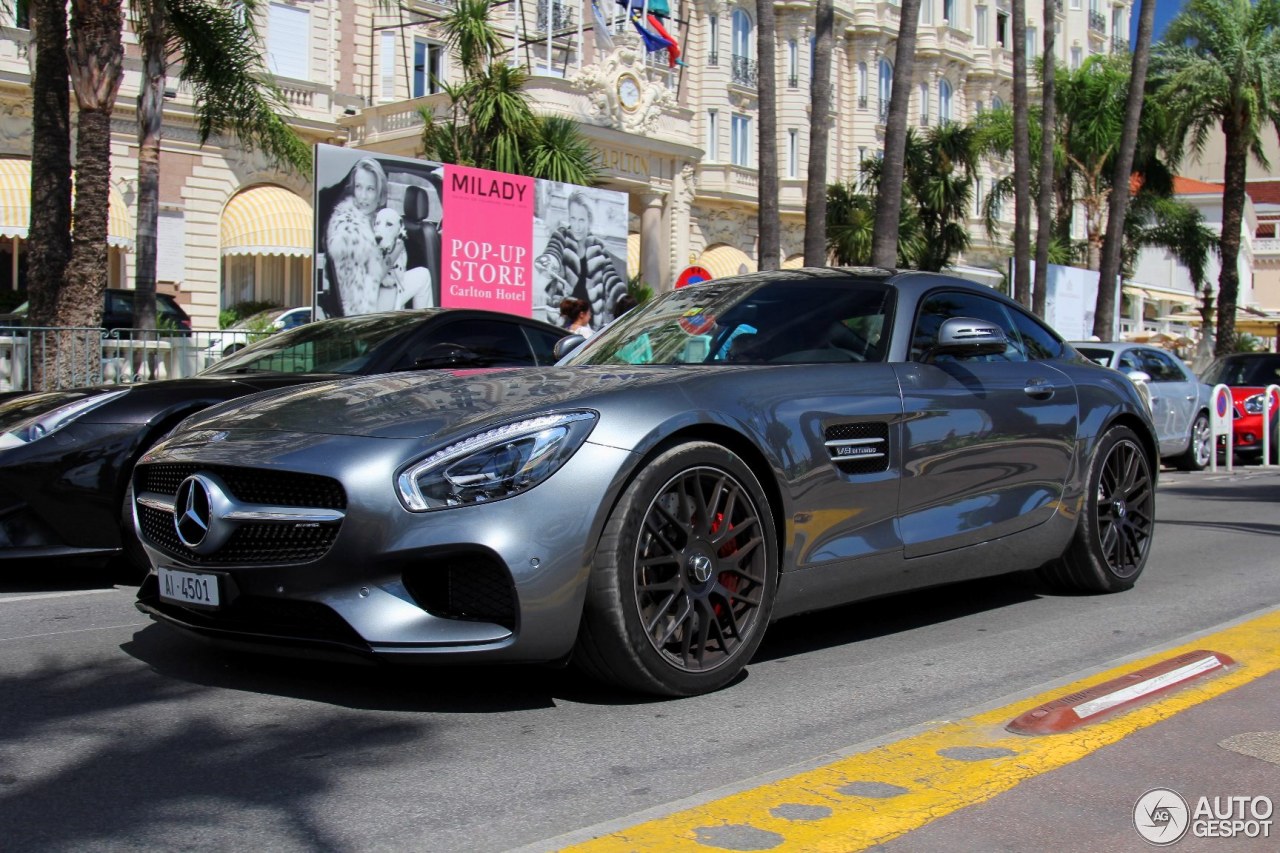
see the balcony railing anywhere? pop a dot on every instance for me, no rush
(1119, 45)
(862, 102)
(713, 59)
(793, 82)
(1097, 22)
(924, 121)
(744, 71)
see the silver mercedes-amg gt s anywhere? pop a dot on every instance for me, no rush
(731, 453)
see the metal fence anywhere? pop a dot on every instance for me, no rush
(36, 358)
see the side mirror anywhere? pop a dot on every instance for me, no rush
(965, 337)
(1137, 375)
(566, 345)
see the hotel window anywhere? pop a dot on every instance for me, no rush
(1033, 43)
(924, 104)
(886, 87)
(793, 154)
(862, 85)
(977, 197)
(1075, 4)
(862, 158)
(741, 138)
(980, 26)
(1077, 56)
(996, 208)
(741, 34)
(713, 136)
(949, 12)
(997, 104)
(387, 64)
(428, 68)
(944, 102)
(926, 11)
(713, 37)
(1002, 29)
(793, 64)
(22, 14)
(289, 42)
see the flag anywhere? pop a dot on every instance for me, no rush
(604, 39)
(673, 49)
(656, 7)
(652, 43)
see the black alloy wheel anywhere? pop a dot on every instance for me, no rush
(683, 580)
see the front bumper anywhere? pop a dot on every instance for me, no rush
(501, 581)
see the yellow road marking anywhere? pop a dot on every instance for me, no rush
(811, 812)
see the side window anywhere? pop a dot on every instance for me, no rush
(1160, 366)
(1038, 341)
(1128, 361)
(542, 340)
(493, 344)
(939, 307)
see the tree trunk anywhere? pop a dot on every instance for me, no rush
(1104, 314)
(768, 224)
(1048, 136)
(49, 236)
(150, 114)
(815, 198)
(1229, 244)
(1021, 158)
(884, 245)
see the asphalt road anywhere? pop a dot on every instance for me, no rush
(118, 734)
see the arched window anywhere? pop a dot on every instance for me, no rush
(944, 102)
(996, 104)
(886, 87)
(741, 34)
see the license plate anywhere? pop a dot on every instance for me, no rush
(189, 587)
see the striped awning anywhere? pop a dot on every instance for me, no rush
(723, 260)
(267, 220)
(633, 255)
(794, 262)
(15, 206)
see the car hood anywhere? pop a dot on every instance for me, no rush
(416, 405)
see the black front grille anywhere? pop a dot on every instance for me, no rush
(252, 542)
(250, 485)
(869, 458)
(469, 586)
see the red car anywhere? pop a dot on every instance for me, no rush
(1248, 374)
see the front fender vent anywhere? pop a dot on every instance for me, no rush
(859, 448)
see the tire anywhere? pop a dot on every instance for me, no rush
(1200, 449)
(1112, 540)
(132, 566)
(683, 578)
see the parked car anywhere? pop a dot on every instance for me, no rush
(239, 335)
(730, 453)
(65, 456)
(1179, 401)
(1248, 374)
(118, 312)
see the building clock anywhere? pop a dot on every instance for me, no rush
(629, 91)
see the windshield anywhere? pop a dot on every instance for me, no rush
(1244, 371)
(767, 318)
(339, 345)
(1096, 355)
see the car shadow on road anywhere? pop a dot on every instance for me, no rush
(1260, 491)
(907, 611)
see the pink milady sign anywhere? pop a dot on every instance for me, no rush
(488, 241)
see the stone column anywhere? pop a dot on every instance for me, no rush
(652, 246)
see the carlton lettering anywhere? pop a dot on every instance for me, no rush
(489, 187)
(627, 164)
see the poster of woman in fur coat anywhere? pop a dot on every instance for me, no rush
(580, 245)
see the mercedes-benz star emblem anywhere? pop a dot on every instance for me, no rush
(701, 568)
(193, 511)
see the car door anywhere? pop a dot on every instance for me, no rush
(988, 440)
(1173, 399)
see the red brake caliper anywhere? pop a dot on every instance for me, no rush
(729, 580)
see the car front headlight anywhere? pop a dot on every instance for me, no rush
(43, 423)
(494, 464)
(1253, 405)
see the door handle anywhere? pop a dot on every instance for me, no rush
(1190, 397)
(1040, 389)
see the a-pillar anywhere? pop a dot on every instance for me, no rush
(651, 242)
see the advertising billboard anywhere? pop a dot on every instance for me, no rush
(509, 243)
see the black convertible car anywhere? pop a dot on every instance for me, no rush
(733, 452)
(65, 456)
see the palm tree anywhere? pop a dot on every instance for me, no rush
(1105, 312)
(1044, 191)
(491, 123)
(218, 49)
(851, 219)
(815, 194)
(1219, 66)
(49, 235)
(1021, 159)
(889, 200)
(767, 222)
